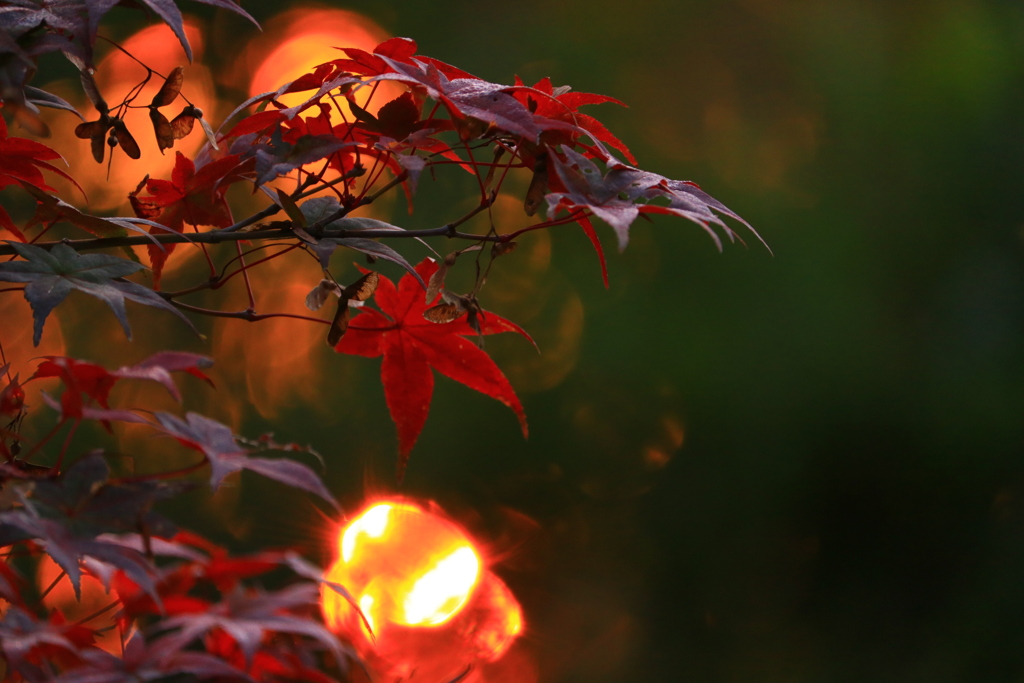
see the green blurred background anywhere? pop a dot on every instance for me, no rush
(806, 466)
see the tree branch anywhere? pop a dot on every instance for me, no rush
(221, 236)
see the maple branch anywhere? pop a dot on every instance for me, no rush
(317, 228)
(67, 443)
(98, 613)
(249, 315)
(274, 208)
(172, 474)
(42, 442)
(53, 584)
(221, 236)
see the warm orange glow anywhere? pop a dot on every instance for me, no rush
(95, 598)
(276, 363)
(297, 41)
(419, 568)
(304, 38)
(16, 344)
(116, 74)
(423, 589)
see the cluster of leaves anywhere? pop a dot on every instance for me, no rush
(182, 606)
(179, 604)
(331, 142)
(30, 29)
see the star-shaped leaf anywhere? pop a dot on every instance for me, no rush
(411, 345)
(249, 617)
(142, 661)
(23, 161)
(52, 275)
(226, 455)
(321, 208)
(622, 193)
(191, 196)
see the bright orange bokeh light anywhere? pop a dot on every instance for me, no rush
(297, 41)
(16, 344)
(277, 363)
(303, 38)
(158, 48)
(94, 599)
(423, 589)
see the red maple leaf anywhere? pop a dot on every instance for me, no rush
(21, 161)
(411, 346)
(87, 380)
(80, 379)
(563, 105)
(190, 196)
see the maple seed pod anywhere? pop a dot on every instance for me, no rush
(360, 290)
(502, 248)
(443, 313)
(125, 139)
(538, 186)
(170, 89)
(319, 295)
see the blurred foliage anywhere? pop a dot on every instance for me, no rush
(801, 467)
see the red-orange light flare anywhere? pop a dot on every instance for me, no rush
(297, 41)
(424, 591)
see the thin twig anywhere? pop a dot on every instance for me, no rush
(221, 236)
(250, 316)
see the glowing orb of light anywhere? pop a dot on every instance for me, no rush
(298, 41)
(427, 603)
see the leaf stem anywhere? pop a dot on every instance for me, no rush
(67, 443)
(220, 236)
(248, 315)
(98, 613)
(162, 475)
(53, 584)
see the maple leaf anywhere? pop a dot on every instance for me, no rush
(89, 503)
(225, 455)
(191, 196)
(147, 661)
(279, 157)
(622, 193)
(249, 617)
(87, 380)
(562, 104)
(473, 97)
(22, 161)
(79, 378)
(52, 275)
(68, 550)
(321, 208)
(411, 346)
(12, 396)
(159, 367)
(28, 642)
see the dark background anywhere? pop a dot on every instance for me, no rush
(804, 466)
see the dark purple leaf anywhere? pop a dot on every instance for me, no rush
(278, 158)
(321, 208)
(226, 456)
(52, 275)
(92, 413)
(159, 367)
(248, 618)
(142, 661)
